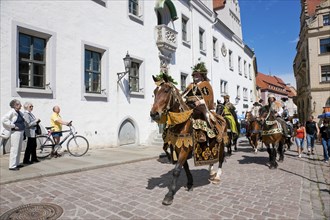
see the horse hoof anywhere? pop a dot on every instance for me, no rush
(215, 181)
(273, 166)
(189, 188)
(212, 175)
(167, 201)
(281, 160)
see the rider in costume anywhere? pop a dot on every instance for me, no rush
(199, 96)
(255, 108)
(230, 114)
(277, 108)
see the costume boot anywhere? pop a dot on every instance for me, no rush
(201, 136)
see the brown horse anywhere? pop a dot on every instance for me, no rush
(232, 137)
(253, 131)
(180, 135)
(272, 136)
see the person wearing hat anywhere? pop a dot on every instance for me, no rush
(277, 108)
(199, 96)
(230, 114)
(255, 109)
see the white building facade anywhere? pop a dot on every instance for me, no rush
(71, 54)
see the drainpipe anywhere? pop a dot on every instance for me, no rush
(212, 27)
(191, 33)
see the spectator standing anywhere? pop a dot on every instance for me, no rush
(312, 131)
(31, 122)
(325, 138)
(56, 122)
(14, 121)
(300, 137)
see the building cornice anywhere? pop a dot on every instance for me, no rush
(203, 9)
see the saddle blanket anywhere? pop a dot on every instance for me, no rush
(206, 155)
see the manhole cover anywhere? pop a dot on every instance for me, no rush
(36, 211)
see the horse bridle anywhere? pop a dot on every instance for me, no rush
(174, 97)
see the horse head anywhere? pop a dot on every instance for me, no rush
(220, 107)
(162, 98)
(265, 114)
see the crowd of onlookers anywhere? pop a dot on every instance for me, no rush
(309, 133)
(19, 126)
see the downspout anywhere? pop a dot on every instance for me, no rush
(191, 33)
(212, 27)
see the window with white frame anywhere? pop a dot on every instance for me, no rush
(238, 92)
(250, 76)
(245, 94)
(135, 76)
(32, 61)
(251, 96)
(239, 65)
(324, 45)
(244, 66)
(215, 48)
(230, 57)
(93, 71)
(223, 87)
(325, 73)
(202, 43)
(183, 81)
(133, 7)
(185, 29)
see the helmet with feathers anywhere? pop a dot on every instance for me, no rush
(200, 69)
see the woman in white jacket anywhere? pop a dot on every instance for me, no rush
(14, 122)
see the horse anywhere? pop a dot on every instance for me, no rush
(167, 100)
(272, 136)
(253, 131)
(233, 137)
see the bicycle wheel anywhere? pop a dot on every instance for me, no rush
(44, 146)
(78, 146)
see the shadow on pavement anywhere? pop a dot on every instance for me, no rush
(304, 177)
(254, 159)
(200, 179)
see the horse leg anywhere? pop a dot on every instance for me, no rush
(216, 179)
(273, 163)
(189, 176)
(211, 172)
(168, 155)
(235, 137)
(281, 152)
(171, 190)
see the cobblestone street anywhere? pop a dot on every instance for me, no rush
(298, 189)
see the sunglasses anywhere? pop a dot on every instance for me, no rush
(31, 106)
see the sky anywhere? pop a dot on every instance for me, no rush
(271, 28)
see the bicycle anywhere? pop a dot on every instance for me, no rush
(77, 145)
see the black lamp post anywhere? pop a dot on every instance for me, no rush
(127, 62)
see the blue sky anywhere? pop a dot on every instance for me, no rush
(271, 28)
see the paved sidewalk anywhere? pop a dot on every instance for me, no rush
(94, 158)
(298, 189)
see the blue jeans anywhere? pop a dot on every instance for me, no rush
(300, 142)
(326, 148)
(310, 141)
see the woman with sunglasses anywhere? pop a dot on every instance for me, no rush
(31, 122)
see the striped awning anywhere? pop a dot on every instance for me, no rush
(160, 4)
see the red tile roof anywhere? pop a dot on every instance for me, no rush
(218, 4)
(273, 84)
